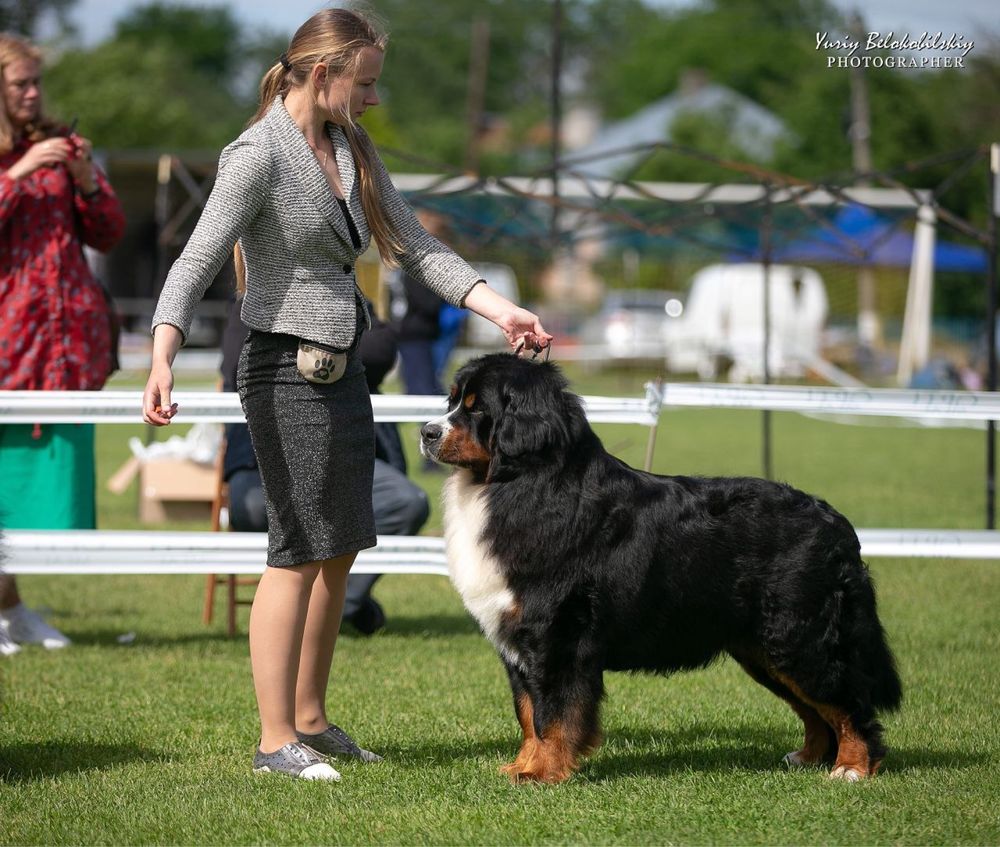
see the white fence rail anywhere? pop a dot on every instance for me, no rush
(153, 552)
(224, 407)
(118, 552)
(885, 402)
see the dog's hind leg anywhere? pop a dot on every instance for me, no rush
(859, 735)
(820, 740)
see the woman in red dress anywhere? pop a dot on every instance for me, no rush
(54, 328)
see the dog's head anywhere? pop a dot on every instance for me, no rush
(505, 414)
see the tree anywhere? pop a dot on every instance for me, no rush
(23, 16)
(142, 96)
(425, 78)
(170, 78)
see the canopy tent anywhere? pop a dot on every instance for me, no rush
(859, 236)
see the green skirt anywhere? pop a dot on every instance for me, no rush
(48, 481)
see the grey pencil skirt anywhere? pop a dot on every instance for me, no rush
(315, 446)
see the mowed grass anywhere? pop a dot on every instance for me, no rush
(149, 742)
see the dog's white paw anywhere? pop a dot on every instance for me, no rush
(794, 760)
(846, 774)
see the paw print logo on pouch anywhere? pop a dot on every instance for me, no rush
(322, 369)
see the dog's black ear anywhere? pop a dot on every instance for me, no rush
(536, 422)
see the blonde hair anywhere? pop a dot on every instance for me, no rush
(335, 37)
(14, 48)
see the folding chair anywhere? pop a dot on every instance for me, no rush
(232, 582)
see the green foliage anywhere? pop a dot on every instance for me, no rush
(171, 77)
(139, 95)
(206, 39)
(22, 16)
(425, 78)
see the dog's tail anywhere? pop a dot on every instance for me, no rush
(874, 658)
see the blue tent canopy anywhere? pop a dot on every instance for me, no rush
(858, 236)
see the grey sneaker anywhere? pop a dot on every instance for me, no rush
(294, 759)
(333, 741)
(7, 647)
(25, 626)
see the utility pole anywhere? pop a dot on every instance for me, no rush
(479, 60)
(556, 113)
(993, 185)
(869, 323)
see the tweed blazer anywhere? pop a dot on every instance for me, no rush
(270, 193)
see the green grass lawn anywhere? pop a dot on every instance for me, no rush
(149, 742)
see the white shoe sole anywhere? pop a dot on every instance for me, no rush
(320, 772)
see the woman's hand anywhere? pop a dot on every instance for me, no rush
(52, 151)
(156, 406)
(521, 328)
(80, 164)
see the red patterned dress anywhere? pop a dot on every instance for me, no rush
(54, 334)
(54, 331)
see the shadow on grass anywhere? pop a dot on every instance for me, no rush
(701, 749)
(445, 753)
(412, 625)
(109, 638)
(35, 762)
(401, 626)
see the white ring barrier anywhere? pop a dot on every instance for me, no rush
(887, 402)
(153, 552)
(224, 407)
(144, 552)
(29, 407)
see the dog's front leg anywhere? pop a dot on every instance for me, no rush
(560, 719)
(525, 717)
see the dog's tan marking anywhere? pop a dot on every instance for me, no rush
(853, 762)
(460, 448)
(817, 741)
(552, 758)
(469, 401)
(526, 718)
(555, 756)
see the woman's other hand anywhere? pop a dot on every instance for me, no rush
(51, 151)
(156, 406)
(80, 163)
(522, 329)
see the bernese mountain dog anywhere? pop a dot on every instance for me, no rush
(574, 563)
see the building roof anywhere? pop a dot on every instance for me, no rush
(754, 129)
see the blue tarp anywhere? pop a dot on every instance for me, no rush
(858, 236)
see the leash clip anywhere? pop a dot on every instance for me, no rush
(536, 351)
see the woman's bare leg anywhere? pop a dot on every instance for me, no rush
(326, 605)
(277, 622)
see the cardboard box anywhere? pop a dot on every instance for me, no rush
(176, 489)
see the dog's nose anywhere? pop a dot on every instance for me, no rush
(431, 432)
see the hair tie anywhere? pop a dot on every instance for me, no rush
(283, 58)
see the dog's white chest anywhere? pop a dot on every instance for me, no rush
(474, 572)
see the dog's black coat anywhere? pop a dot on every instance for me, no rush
(616, 569)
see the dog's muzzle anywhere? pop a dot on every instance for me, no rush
(431, 437)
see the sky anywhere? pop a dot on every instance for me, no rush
(971, 19)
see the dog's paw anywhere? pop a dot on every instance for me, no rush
(537, 771)
(797, 759)
(847, 774)
(547, 776)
